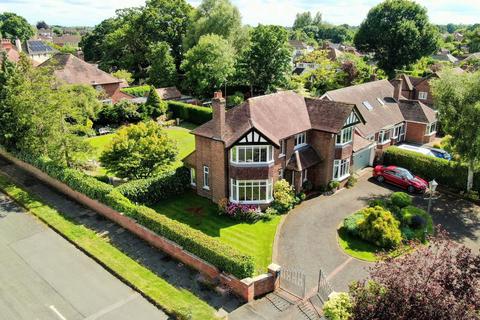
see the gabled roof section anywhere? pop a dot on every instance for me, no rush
(374, 101)
(303, 158)
(416, 111)
(278, 116)
(169, 93)
(72, 70)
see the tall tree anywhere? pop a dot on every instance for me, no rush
(219, 17)
(457, 98)
(398, 33)
(13, 26)
(162, 71)
(303, 20)
(154, 106)
(208, 65)
(266, 64)
(42, 25)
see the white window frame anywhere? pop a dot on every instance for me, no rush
(193, 177)
(381, 137)
(300, 140)
(236, 159)
(430, 126)
(206, 178)
(397, 131)
(236, 185)
(282, 148)
(345, 136)
(342, 166)
(422, 95)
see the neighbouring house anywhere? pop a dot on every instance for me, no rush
(390, 117)
(445, 56)
(67, 40)
(72, 70)
(242, 152)
(458, 36)
(336, 50)
(13, 54)
(472, 56)
(169, 93)
(38, 51)
(300, 48)
(304, 67)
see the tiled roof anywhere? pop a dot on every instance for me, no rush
(303, 158)
(360, 143)
(67, 38)
(297, 44)
(384, 111)
(38, 47)
(278, 116)
(73, 70)
(169, 93)
(414, 110)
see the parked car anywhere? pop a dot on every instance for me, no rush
(400, 177)
(442, 154)
(432, 152)
(104, 130)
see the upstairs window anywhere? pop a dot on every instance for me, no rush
(206, 178)
(345, 136)
(300, 139)
(422, 95)
(251, 154)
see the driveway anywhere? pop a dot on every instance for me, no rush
(307, 239)
(45, 277)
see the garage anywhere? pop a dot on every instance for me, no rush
(363, 153)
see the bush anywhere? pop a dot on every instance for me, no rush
(377, 202)
(139, 91)
(284, 196)
(379, 227)
(189, 112)
(118, 113)
(235, 99)
(333, 185)
(352, 181)
(271, 211)
(222, 206)
(338, 307)
(351, 223)
(243, 212)
(307, 186)
(153, 190)
(449, 173)
(400, 199)
(416, 218)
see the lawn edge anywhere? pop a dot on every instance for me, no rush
(169, 311)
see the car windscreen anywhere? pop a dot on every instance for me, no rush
(405, 173)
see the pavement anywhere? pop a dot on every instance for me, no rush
(43, 276)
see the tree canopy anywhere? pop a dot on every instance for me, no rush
(162, 71)
(13, 26)
(398, 33)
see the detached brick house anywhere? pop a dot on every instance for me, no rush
(390, 118)
(241, 153)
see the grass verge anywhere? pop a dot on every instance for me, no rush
(179, 303)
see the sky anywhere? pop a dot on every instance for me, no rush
(281, 12)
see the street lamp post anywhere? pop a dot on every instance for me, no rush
(432, 185)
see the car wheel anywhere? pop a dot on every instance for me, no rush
(411, 189)
(380, 179)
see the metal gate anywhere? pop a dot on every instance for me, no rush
(324, 287)
(293, 281)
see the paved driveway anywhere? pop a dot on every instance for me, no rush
(45, 277)
(307, 239)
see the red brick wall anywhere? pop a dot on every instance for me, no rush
(110, 88)
(251, 173)
(415, 132)
(324, 144)
(424, 87)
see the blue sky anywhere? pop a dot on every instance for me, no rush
(282, 12)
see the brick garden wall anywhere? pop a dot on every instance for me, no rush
(243, 288)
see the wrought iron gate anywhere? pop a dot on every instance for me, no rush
(293, 281)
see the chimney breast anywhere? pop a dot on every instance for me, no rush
(218, 106)
(397, 88)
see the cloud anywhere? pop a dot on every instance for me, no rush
(282, 12)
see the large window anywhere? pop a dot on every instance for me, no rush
(251, 154)
(345, 136)
(206, 177)
(341, 169)
(251, 191)
(431, 128)
(398, 130)
(384, 136)
(300, 139)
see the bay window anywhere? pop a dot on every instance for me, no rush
(300, 139)
(341, 169)
(251, 191)
(384, 136)
(251, 154)
(345, 136)
(431, 128)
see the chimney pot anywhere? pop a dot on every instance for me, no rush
(217, 95)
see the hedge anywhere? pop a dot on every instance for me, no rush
(189, 112)
(221, 255)
(449, 173)
(139, 91)
(153, 190)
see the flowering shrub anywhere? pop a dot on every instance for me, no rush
(338, 306)
(243, 212)
(284, 196)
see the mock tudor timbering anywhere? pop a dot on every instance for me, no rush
(241, 153)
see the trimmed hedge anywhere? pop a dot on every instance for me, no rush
(189, 112)
(450, 173)
(152, 190)
(221, 255)
(139, 91)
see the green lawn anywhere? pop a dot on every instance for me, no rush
(185, 142)
(200, 213)
(175, 301)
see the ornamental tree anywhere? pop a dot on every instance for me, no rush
(457, 99)
(139, 151)
(13, 26)
(398, 33)
(438, 281)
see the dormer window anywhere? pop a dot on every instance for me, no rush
(300, 140)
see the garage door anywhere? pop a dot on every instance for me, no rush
(361, 159)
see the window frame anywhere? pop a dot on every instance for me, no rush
(193, 177)
(342, 165)
(282, 148)
(249, 151)
(300, 140)
(422, 95)
(237, 185)
(382, 134)
(428, 129)
(206, 177)
(343, 135)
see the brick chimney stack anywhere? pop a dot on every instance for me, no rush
(218, 106)
(398, 86)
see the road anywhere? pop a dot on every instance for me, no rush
(45, 277)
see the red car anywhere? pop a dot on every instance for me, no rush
(400, 177)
